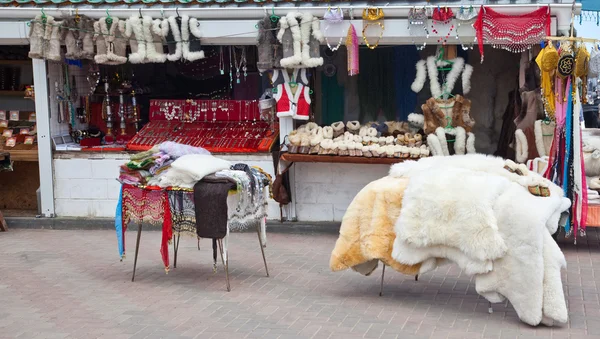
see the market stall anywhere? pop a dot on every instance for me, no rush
(342, 72)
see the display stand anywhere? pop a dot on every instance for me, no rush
(151, 205)
(219, 126)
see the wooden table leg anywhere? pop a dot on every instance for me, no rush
(262, 249)
(3, 226)
(137, 248)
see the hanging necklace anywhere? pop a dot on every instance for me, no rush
(241, 65)
(230, 69)
(336, 18)
(221, 63)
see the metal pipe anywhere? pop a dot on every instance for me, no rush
(217, 12)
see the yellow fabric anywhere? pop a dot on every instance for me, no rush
(547, 61)
(367, 231)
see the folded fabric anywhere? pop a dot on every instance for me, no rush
(177, 150)
(189, 169)
(145, 163)
(157, 168)
(145, 154)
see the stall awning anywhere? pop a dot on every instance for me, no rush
(590, 5)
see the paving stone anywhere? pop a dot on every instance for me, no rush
(70, 284)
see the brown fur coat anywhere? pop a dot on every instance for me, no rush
(367, 231)
(435, 117)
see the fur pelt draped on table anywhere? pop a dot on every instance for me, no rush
(366, 234)
(472, 211)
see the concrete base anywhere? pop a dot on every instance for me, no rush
(65, 223)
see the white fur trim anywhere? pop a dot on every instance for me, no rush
(466, 79)
(471, 143)
(174, 28)
(160, 27)
(441, 134)
(306, 26)
(134, 23)
(186, 29)
(539, 138)
(460, 141)
(420, 78)
(434, 84)
(316, 29)
(434, 145)
(416, 119)
(522, 149)
(291, 22)
(327, 132)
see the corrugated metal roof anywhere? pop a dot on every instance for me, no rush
(52, 3)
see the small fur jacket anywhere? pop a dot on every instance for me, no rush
(435, 117)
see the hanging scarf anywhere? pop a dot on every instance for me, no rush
(568, 153)
(515, 33)
(167, 231)
(580, 182)
(352, 46)
(547, 61)
(119, 225)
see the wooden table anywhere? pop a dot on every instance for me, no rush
(297, 157)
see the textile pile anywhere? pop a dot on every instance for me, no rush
(147, 168)
(174, 184)
(491, 217)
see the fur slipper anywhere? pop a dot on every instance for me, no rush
(338, 128)
(353, 126)
(327, 132)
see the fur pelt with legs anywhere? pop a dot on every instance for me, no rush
(306, 36)
(366, 233)
(470, 210)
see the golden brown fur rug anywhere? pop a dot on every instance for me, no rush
(367, 231)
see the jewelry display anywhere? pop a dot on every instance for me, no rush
(465, 18)
(440, 21)
(372, 16)
(221, 64)
(230, 68)
(334, 18)
(417, 20)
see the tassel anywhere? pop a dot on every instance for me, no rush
(352, 46)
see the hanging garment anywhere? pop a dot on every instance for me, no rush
(269, 48)
(300, 35)
(38, 38)
(146, 37)
(111, 45)
(183, 39)
(457, 114)
(282, 76)
(531, 110)
(296, 105)
(53, 38)
(515, 33)
(544, 134)
(77, 33)
(507, 133)
(210, 195)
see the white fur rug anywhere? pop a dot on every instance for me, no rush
(470, 210)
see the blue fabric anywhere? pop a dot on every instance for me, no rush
(119, 224)
(590, 5)
(405, 57)
(568, 140)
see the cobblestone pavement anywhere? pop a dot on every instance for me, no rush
(70, 284)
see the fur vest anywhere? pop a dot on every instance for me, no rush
(110, 42)
(282, 76)
(146, 36)
(435, 117)
(183, 39)
(269, 48)
(78, 37)
(532, 109)
(300, 35)
(44, 39)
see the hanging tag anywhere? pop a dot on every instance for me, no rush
(222, 72)
(238, 80)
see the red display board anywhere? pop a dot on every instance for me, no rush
(220, 126)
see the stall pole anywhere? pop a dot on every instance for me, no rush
(286, 126)
(40, 81)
